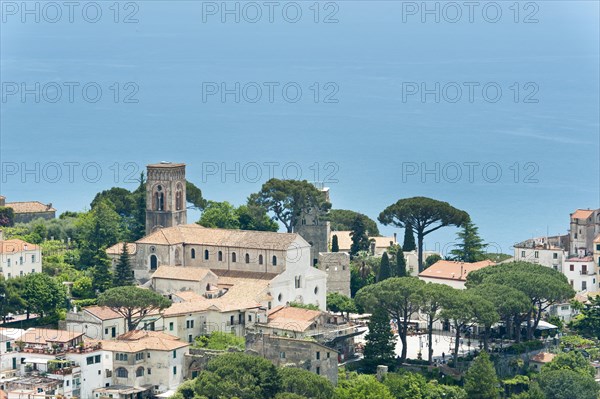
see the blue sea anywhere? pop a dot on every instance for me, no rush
(491, 106)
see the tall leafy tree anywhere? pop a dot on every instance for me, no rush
(123, 274)
(542, 285)
(341, 220)
(133, 303)
(409, 239)
(219, 214)
(43, 294)
(360, 239)
(511, 304)
(434, 297)
(7, 216)
(423, 215)
(400, 266)
(380, 345)
(101, 275)
(362, 386)
(303, 382)
(335, 246)
(589, 322)
(252, 217)
(288, 199)
(385, 271)
(463, 309)
(567, 384)
(193, 196)
(337, 302)
(471, 247)
(574, 361)
(400, 297)
(481, 381)
(98, 229)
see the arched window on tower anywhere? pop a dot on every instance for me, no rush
(233, 257)
(247, 258)
(193, 254)
(274, 260)
(179, 197)
(153, 262)
(139, 372)
(158, 199)
(260, 259)
(122, 372)
(206, 254)
(220, 256)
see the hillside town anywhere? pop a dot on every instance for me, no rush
(133, 300)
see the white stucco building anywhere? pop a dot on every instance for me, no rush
(19, 258)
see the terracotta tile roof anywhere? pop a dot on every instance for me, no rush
(43, 336)
(102, 312)
(543, 357)
(189, 296)
(187, 273)
(597, 238)
(179, 308)
(139, 340)
(16, 245)
(30, 207)
(117, 248)
(582, 214)
(451, 270)
(292, 319)
(583, 296)
(198, 235)
(345, 240)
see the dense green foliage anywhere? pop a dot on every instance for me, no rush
(471, 247)
(385, 271)
(7, 216)
(335, 247)
(588, 322)
(123, 274)
(422, 215)
(340, 303)
(481, 381)
(225, 216)
(342, 219)
(359, 236)
(380, 345)
(542, 285)
(303, 382)
(409, 243)
(362, 387)
(431, 259)
(288, 199)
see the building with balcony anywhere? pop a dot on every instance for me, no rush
(581, 273)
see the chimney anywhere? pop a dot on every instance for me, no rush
(49, 206)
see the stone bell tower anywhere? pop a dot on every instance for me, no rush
(165, 196)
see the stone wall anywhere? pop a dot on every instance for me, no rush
(28, 217)
(291, 352)
(337, 267)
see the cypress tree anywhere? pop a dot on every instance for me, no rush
(471, 247)
(101, 276)
(400, 264)
(384, 268)
(481, 381)
(409, 239)
(380, 345)
(123, 274)
(360, 240)
(334, 244)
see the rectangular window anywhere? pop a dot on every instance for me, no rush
(536, 254)
(554, 255)
(328, 355)
(318, 355)
(32, 258)
(282, 355)
(190, 338)
(319, 370)
(584, 285)
(106, 331)
(572, 267)
(97, 359)
(149, 371)
(8, 262)
(174, 370)
(174, 354)
(89, 360)
(597, 247)
(171, 326)
(522, 254)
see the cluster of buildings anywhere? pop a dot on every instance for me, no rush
(576, 254)
(248, 283)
